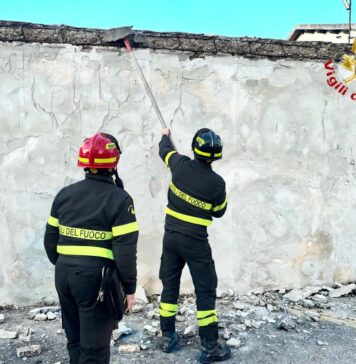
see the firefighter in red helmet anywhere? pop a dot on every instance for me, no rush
(92, 225)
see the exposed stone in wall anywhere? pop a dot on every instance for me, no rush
(197, 44)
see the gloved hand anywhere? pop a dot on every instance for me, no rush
(166, 131)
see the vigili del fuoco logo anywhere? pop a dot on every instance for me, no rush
(340, 76)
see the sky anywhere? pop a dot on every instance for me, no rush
(258, 18)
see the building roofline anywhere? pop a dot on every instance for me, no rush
(301, 28)
(197, 45)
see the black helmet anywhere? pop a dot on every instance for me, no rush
(207, 145)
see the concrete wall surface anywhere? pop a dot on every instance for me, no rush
(289, 160)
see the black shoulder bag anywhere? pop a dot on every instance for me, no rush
(112, 291)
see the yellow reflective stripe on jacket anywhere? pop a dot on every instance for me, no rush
(83, 160)
(105, 160)
(187, 198)
(188, 218)
(84, 233)
(125, 229)
(220, 207)
(53, 221)
(167, 309)
(206, 317)
(168, 156)
(205, 154)
(92, 251)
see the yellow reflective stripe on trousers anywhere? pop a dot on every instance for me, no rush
(92, 251)
(188, 218)
(168, 156)
(203, 314)
(53, 221)
(168, 306)
(206, 318)
(187, 198)
(205, 154)
(207, 321)
(220, 207)
(84, 233)
(125, 229)
(167, 309)
(165, 313)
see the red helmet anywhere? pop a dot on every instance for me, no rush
(99, 151)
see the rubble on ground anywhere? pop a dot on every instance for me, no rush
(342, 291)
(8, 334)
(129, 348)
(28, 351)
(239, 316)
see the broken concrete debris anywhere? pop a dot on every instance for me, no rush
(342, 291)
(2, 318)
(8, 334)
(238, 327)
(189, 331)
(233, 342)
(40, 317)
(136, 308)
(51, 316)
(287, 323)
(28, 351)
(122, 330)
(240, 316)
(151, 330)
(44, 313)
(129, 348)
(298, 294)
(153, 314)
(27, 335)
(227, 334)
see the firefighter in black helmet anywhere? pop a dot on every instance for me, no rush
(196, 194)
(92, 225)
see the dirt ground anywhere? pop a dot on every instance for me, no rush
(329, 339)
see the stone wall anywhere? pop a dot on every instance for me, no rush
(288, 153)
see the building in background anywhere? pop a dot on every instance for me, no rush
(335, 33)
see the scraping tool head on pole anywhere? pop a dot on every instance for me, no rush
(115, 34)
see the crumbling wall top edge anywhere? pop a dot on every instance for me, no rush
(199, 44)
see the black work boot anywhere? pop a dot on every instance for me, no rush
(213, 351)
(170, 341)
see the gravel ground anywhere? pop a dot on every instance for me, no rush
(309, 340)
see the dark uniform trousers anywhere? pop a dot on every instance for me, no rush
(179, 249)
(87, 322)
